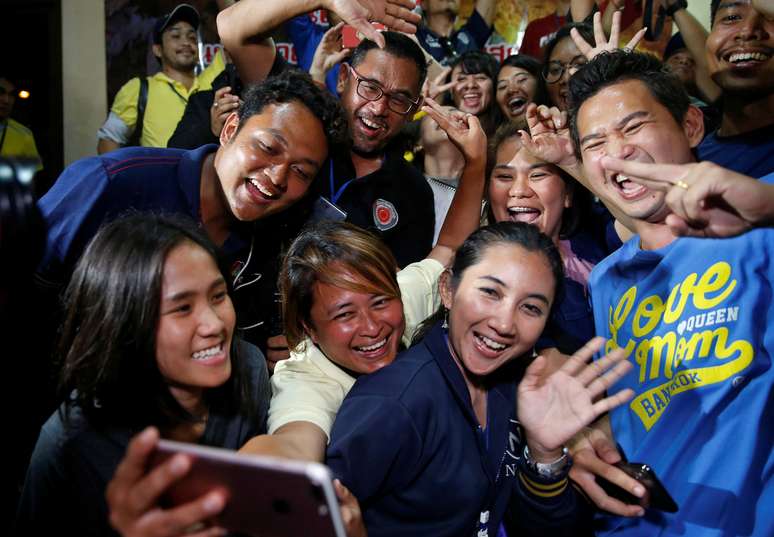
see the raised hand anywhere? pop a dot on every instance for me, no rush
(463, 130)
(395, 14)
(706, 199)
(223, 105)
(133, 494)
(554, 409)
(594, 454)
(431, 89)
(549, 136)
(602, 43)
(329, 52)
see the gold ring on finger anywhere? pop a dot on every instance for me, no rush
(681, 184)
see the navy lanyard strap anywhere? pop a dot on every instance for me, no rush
(336, 194)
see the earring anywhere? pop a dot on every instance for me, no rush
(445, 324)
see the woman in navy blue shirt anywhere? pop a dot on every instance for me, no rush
(431, 444)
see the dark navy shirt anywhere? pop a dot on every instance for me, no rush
(472, 36)
(751, 153)
(407, 443)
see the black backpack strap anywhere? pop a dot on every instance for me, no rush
(142, 100)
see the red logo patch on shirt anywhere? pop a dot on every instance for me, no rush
(385, 215)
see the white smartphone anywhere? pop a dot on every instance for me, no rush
(267, 496)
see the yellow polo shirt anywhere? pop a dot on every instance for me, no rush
(167, 99)
(18, 142)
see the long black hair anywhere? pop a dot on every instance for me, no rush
(108, 339)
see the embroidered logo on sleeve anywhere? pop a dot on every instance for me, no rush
(385, 215)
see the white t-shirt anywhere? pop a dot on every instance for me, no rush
(309, 387)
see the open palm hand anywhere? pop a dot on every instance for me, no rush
(555, 408)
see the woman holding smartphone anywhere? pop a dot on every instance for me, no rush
(148, 339)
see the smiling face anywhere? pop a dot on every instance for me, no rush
(196, 324)
(567, 56)
(626, 121)
(270, 162)
(179, 47)
(499, 307)
(516, 88)
(359, 331)
(373, 124)
(740, 48)
(472, 92)
(681, 63)
(523, 188)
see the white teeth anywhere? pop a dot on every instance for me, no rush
(373, 347)
(370, 124)
(515, 103)
(621, 178)
(492, 344)
(522, 210)
(746, 56)
(262, 189)
(206, 353)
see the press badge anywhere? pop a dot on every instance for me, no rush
(323, 209)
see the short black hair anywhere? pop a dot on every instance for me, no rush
(618, 66)
(713, 11)
(296, 85)
(398, 45)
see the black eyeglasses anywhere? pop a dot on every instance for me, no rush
(554, 71)
(369, 90)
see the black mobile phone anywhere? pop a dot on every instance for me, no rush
(656, 495)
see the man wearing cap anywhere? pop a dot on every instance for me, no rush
(175, 45)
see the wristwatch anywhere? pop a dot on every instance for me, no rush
(676, 6)
(549, 470)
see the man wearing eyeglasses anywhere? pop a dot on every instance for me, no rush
(377, 189)
(368, 184)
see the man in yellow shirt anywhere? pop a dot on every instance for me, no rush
(16, 140)
(175, 44)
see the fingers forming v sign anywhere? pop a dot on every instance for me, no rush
(433, 88)
(602, 43)
(554, 409)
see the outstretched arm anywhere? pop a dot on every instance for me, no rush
(463, 217)
(580, 9)
(244, 27)
(328, 53)
(695, 37)
(486, 8)
(707, 200)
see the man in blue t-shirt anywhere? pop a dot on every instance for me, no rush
(269, 154)
(739, 60)
(692, 312)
